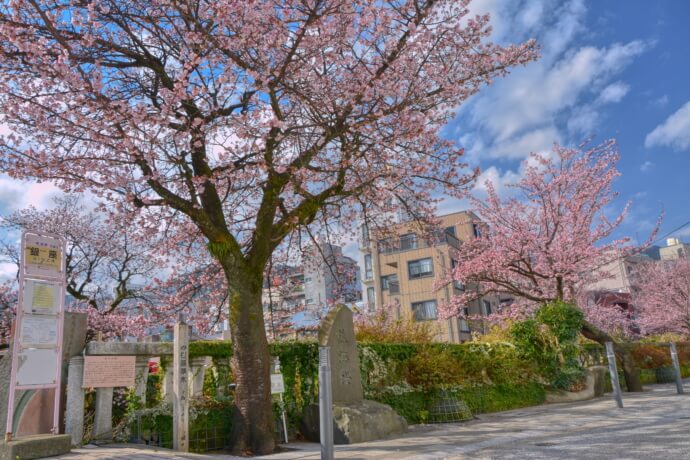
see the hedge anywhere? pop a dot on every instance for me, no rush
(487, 377)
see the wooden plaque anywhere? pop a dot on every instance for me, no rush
(108, 371)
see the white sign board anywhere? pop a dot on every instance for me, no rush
(37, 366)
(39, 331)
(277, 384)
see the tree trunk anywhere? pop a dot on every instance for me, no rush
(253, 424)
(630, 371)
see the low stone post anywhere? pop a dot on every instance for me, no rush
(181, 387)
(168, 386)
(74, 409)
(613, 371)
(141, 376)
(676, 367)
(199, 365)
(103, 420)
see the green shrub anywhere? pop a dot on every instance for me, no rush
(651, 356)
(415, 405)
(550, 340)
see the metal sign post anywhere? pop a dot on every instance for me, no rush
(278, 387)
(613, 370)
(676, 367)
(38, 326)
(325, 404)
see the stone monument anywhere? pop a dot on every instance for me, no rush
(355, 419)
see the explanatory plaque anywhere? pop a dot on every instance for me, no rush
(109, 371)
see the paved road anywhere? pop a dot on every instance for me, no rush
(653, 425)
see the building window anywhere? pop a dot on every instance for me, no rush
(408, 241)
(386, 245)
(387, 280)
(464, 326)
(371, 300)
(424, 310)
(368, 269)
(476, 230)
(487, 307)
(451, 230)
(365, 235)
(420, 268)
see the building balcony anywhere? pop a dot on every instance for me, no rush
(407, 243)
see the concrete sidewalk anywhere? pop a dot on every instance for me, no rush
(653, 425)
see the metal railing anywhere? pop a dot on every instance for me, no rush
(405, 243)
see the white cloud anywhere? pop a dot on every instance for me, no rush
(614, 92)
(16, 194)
(646, 166)
(8, 271)
(674, 132)
(526, 104)
(661, 101)
(501, 181)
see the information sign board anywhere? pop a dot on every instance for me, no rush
(37, 341)
(109, 371)
(41, 297)
(42, 256)
(39, 331)
(277, 384)
(37, 366)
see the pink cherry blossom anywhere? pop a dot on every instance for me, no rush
(232, 126)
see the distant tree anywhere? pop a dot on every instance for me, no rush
(662, 297)
(548, 241)
(106, 262)
(236, 123)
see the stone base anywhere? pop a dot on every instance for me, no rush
(36, 446)
(594, 387)
(356, 422)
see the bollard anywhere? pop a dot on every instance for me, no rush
(613, 370)
(676, 367)
(325, 404)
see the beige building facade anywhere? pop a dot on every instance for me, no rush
(674, 250)
(402, 268)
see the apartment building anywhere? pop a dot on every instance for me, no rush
(674, 250)
(330, 277)
(401, 268)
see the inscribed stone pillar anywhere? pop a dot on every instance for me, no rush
(74, 413)
(181, 387)
(354, 418)
(337, 332)
(140, 378)
(103, 420)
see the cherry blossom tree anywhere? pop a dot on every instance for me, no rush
(106, 261)
(662, 297)
(549, 239)
(234, 124)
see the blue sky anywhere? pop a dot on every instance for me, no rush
(609, 68)
(616, 69)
